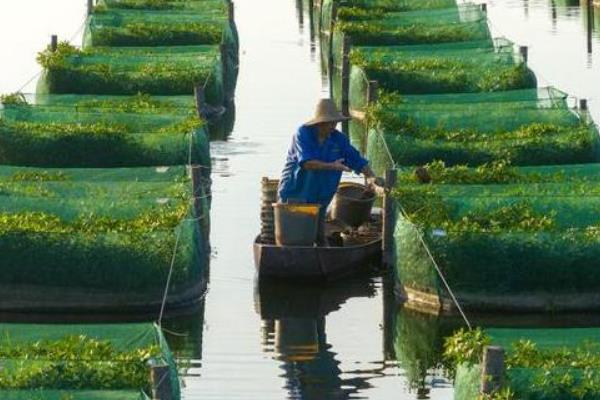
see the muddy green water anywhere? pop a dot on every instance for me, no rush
(350, 341)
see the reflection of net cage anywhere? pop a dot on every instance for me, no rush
(115, 131)
(116, 366)
(545, 364)
(102, 238)
(522, 231)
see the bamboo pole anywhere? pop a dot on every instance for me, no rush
(231, 11)
(524, 52)
(583, 104)
(484, 7)
(90, 7)
(226, 73)
(53, 43)
(492, 369)
(346, 79)
(161, 382)
(387, 243)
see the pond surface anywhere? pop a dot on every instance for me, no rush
(350, 341)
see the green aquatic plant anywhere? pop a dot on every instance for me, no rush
(138, 103)
(149, 33)
(17, 99)
(75, 362)
(368, 32)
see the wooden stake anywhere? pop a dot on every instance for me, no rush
(330, 40)
(492, 369)
(53, 43)
(583, 104)
(90, 7)
(524, 51)
(484, 7)
(200, 100)
(161, 382)
(345, 79)
(388, 219)
(231, 10)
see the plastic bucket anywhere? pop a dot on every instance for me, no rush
(296, 224)
(352, 204)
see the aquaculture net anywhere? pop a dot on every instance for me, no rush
(92, 236)
(456, 24)
(171, 70)
(522, 127)
(535, 238)
(57, 362)
(546, 364)
(463, 67)
(102, 131)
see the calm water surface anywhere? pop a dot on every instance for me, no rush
(350, 341)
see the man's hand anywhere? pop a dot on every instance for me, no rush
(338, 165)
(376, 181)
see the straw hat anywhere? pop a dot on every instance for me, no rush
(327, 112)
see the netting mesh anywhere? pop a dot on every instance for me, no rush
(545, 364)
(523, 127)
(56, 362)
(523, 230)
(114, 233)
(477, 66)
(98, 131)
(173, 70)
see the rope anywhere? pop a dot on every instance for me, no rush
(166, 292)
(439, 271)
(37, 74)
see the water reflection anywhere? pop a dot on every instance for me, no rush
(416, 343)
(294, 333)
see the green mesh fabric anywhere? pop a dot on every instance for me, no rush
(575, 381)
(456, 24)
(173, 70)
(529, 229)
(114, 233)
(476, 66)
(189, 5)
(523, 127)
(70, 381)
(115, 131)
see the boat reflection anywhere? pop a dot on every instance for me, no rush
(294, 332)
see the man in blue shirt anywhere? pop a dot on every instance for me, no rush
(315, 161)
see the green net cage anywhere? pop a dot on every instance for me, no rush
(102, 131)
(102, 239)
(57, 362)
(542, 364)
(476, 66)
(522, 230)
(456, 24)
(176, 5)
(172, 70)
(329, 12)
(524, 127)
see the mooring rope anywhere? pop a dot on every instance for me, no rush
(439, 271)
(168, 283)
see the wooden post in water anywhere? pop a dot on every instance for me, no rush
(583, 104)
(53, 43)
(160, 376)
(345, 80)
(199, 99)
(330, 41)
(230, 10)
(90, 7)
(492, 369)
(484, 7)
(195, 172)
(524, 52)
(387, 242)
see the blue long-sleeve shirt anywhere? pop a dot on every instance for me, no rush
(316, 186)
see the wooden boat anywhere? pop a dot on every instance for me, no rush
(362, 250)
